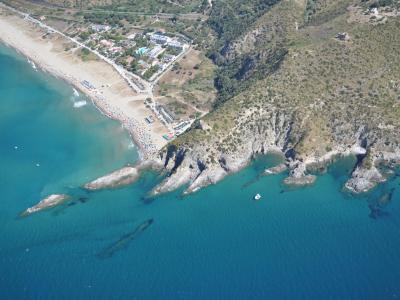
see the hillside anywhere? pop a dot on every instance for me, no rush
(148, 6)
(310, 79)
(288, 83)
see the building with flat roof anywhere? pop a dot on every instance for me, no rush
(100, 28)
(106, 43)
(165, 113)
(155, 51)
(159, 38)
(175, 44)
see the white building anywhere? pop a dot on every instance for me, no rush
(159, 38)
(157, 50)
(100, 28)
(175, 44)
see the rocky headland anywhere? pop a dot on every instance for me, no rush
(48, 202)
(288, 83)
(118, 178)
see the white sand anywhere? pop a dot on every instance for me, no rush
(114, 97)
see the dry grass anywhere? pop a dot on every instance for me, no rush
(329, 88)
(188, 87)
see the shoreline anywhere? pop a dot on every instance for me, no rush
(78, 87)
(105, 99)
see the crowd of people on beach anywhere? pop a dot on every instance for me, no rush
(137, 131)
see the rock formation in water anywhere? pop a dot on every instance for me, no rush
(302, 92)
(124, 240)
(48, 202)
(276, 170)
(118, 178)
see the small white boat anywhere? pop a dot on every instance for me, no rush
(257, 197)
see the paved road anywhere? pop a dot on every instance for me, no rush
(147, 88)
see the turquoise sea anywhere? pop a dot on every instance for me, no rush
(312, 243)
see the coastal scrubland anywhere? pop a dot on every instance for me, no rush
(308, 78)
(311, 81)
(188, 89)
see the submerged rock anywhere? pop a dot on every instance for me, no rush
(48, 202)
(385, 198)
(298, 176)
(276, 170)
(121, 177)
(377, 212)
(300, 180)
(124, 240)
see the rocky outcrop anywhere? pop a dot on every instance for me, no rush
(276, 170)
(366, 176)
(324, 99)
(48, 202)
(118, 178)
(302, 180)
(191, 166)
(298, 176)
(362, 180)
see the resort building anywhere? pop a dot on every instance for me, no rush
(165, 113)
(159, 39)
(156, 51)
(100, 28)
(106, 43)
(175, 44)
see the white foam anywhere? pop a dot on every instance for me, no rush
(76, 93)
(32, 64)
(78, 104)
(131, 145)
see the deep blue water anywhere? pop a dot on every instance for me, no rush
(313, 243)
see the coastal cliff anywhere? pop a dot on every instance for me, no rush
(196, 166)
(311, 80)
(327, 96)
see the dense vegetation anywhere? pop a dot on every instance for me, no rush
(326, 88)
(147, 6)
(280, 63)
(155, 6)
(230, 19)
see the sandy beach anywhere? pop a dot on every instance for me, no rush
(112, 94)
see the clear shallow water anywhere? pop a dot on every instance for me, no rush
(314, 243)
